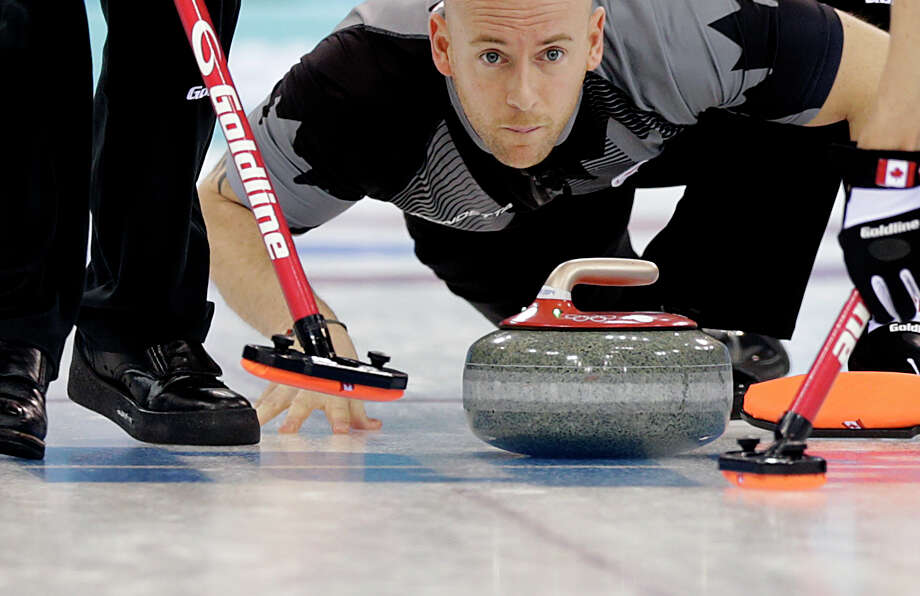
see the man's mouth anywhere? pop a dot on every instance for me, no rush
(522, 130)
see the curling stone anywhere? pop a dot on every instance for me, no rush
(557, 382)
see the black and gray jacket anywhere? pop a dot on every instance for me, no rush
(367, 114)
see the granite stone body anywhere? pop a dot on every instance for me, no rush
(603, 393)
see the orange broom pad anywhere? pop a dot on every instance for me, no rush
(868, 404)
(781, 482)
(326, 386)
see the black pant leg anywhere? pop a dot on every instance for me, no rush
(739, 250)
(148, 276)
(45, 104)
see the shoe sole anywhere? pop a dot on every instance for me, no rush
(21, 445)
(218, 428)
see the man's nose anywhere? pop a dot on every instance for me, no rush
(521, 92)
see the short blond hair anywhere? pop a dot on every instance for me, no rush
(448, 3)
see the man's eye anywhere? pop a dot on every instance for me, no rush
(491, 58)
(554, 54)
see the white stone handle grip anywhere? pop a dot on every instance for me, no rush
(598, 272)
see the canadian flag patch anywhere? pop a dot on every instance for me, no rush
(896, 173)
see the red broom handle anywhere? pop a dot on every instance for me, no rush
(247, 158)
(837, 348)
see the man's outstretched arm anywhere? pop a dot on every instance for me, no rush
(244, 275)
(881, 228)
(894, 121)
(855, 87)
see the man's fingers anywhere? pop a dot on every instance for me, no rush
(910, 282)
(301, 408)
(337, 413)
(272, 402)
(359, 418)
(884, 295)
(266, 394)
(342, 413)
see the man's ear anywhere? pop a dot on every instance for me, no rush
(596, 38)
(440, 43)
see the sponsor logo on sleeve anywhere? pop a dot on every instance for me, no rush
(197, 92)
(898, 227)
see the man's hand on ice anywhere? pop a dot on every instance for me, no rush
(342, 413)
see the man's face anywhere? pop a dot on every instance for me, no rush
(518, 67)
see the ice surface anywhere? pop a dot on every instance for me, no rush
(422, 506)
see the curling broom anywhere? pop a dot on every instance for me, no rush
(784, 465)
(317, 368)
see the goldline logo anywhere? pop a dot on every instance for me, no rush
(197, 92)
(898, 227)
(206, 47)
(230, 116)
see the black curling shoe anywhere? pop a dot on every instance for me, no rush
(755, 358)
(23, 383)
(168, 393)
